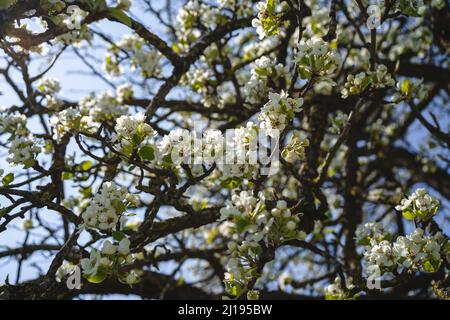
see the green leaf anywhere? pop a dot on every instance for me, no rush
(434, 211)
(259, 208)
(117, 235)
(86, 165)
(261, 72)
(270, 7)
(67, 175)
(241, 224)
(137, 138)
(405, 86)
(167, 160)
(99, 277)
(256, 250)
(8, 179)
(364, 242)
(422, 214)
(408, 215)
(431, 265)
(121, 16)
(234, 291)
(128, 149)
(446, 247)
(119, 206)
(212, 235)
(330, 297)
(230, 183)
(147, 153)
(86, 192)
(28, 163)
(270, 21)
(365, 82)
(304, 73)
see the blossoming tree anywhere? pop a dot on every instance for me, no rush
(130, 190)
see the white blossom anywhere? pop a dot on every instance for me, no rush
(106, 208)
(278, 112)
(378, 79)
(72, 120)
(371, 230)
(419, 204)
(75, 17)
(132, 128)
(336, 290)
(315, 59)
(295, 149)
(23, 150)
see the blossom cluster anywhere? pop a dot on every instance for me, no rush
(13, 123)
(109, 261)
(418, 205)
(124, 92)
(295, 149)
(48, 88)
(23, 150)
(315, 59)
(64, 15)
(243, 144)
(90, 112)
(131, 131)
(67, 15)
(378, 79)
(106, 209)
(202, 81)
(181, 146)
(316, 24)
(409, 90)
(278, 112)
(413, 252)
(254, 226)
(369, 231)
(252, 50)
(49, 85)
(337, 291)
(71, 121)
(192, 18)
(142, 58)
(241, 147)
(268, 21)
(263, 69)
(104, 107)
(195, 16)
(74, 17)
